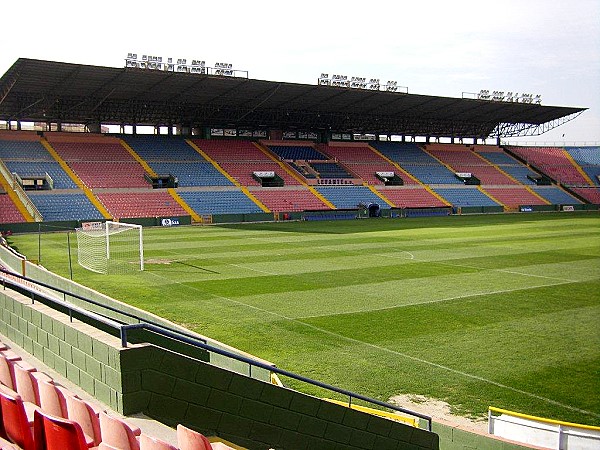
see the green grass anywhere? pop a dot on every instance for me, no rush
(499, 310)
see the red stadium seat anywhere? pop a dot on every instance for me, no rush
(14, 419)
(188, 439)
(84, 414)
(116, 433)
(56, 433)
(152, 443)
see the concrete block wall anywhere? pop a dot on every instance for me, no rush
(252, 413)
(86, 356)
(174, 388)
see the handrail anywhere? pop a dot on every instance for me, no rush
(277, 370)
(194, 341)
(93, 302)
(18, 189)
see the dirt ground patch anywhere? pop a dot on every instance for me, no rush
(158, 261)
(439, 411)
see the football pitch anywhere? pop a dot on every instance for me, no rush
(500, 310)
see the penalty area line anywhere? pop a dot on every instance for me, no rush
(387, 350)
(439, 300)
(455, 371)
(253, 270)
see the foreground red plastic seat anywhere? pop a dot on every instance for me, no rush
(151, 443)
(56, 433)
(83, 413)
(188, 439)
(52, 399)
(116, 434)
(14, 419)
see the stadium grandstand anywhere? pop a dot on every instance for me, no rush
(228, 149)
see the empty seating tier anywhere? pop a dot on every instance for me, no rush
(39, 169)
(220, 202)
(411, 197)
(118, 174)
(555, 195)
(404, 153)
(591, 194)
(589, 160)
(64, 206)
(191, 173)
(241, 159)
(280, 199)
(432, 173)
(350, 197)
(292, 152)
(231, 150)
(462, 159)
(367, 172)
(552, 161)
(163, 148)
(521, 173)
(585, 156)
(465, 196)
(330, 170)
(100, 162)
(141, 204)
(23, 151)
(356, 153)
(9, 213)
(29, 158)
(514, 196)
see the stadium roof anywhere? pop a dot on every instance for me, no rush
(46, 91)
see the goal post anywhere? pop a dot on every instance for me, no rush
(110, 247)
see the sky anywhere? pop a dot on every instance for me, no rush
(433, 47)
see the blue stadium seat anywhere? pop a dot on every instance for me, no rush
(62, 206)
(191, 173)
(292, 152)
(220, 202)
(585, 156)
(162, 148)
(37, 168)
(432, 173)
(555, 195)
(345, 197)
(330, 170)
(24, 151)
(466, 196)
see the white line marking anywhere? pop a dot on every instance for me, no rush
(514, 272)
(458, 372)
(388, 255)
(387, 350)
(439, 300)
(250, 268)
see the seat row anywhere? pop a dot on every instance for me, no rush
(36, 413)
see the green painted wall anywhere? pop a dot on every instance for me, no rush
(174, 388)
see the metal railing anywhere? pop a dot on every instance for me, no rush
(29, 205)
(187, 338)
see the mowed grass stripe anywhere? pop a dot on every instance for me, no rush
(286, 263)
(396, 294)
(475, 261)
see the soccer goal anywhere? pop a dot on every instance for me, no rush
(110, 247)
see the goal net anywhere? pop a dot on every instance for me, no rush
(110, 247)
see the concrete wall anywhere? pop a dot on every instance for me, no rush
(175, 388)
